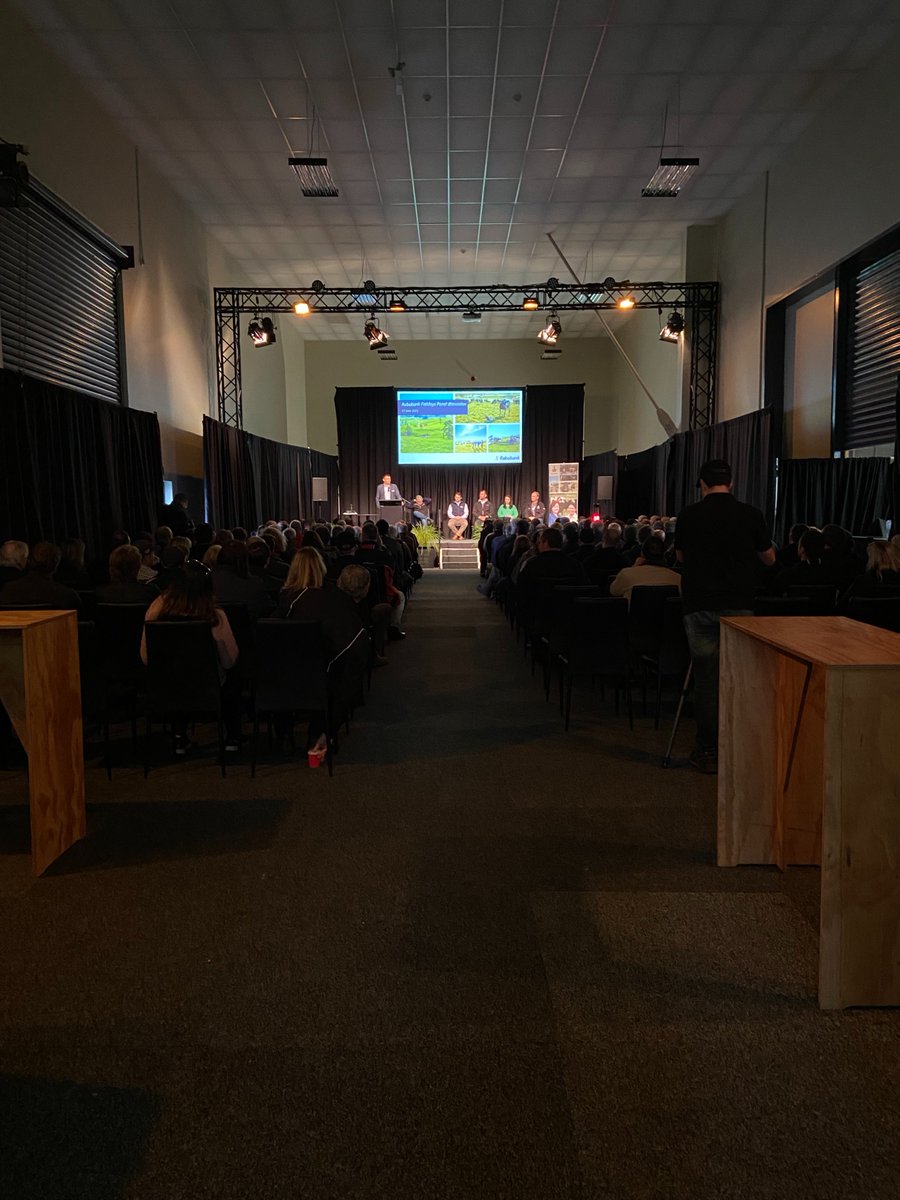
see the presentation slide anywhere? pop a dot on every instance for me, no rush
(462, 426)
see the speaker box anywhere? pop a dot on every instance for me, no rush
(319, 488)
(604, 487)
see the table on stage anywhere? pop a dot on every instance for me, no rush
(40, 688)
(809, 772)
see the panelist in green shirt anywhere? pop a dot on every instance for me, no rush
(507, 509)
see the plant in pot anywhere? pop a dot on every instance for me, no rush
(429, 544)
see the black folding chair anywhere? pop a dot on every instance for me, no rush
(598, 647)
(671, 655)
(182, 679)
(292, 678)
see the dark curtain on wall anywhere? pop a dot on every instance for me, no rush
(851, 492)
(744, 442)
(641, 483)
(367, 441)
(251, 479)
(74, 466)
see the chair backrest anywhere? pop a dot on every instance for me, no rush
(646, 612)
(885, 613)
(182, 668)
(599, 634)
(564, 595)
(291, 666)
(781, 606)
(119, 630)
(674, 652)
(821, 598)
(241, 623)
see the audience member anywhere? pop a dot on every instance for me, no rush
(37, 585)
(233, 584)
(124, 587)
(882, 571)
(649, 570)
(71, 571)
(13, 561)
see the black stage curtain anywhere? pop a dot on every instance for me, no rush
(74, 466)
(552, 431)
(851, 492)
(641, 483)
(251, 479)
(743, 442)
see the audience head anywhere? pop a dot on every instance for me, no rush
(355, 581)
(190, 594)
(172, 556)
(345, 541)
(523, 525)
(239, 533)
(369, 532)
(211, 557)
(44, 558)
(124, 564)
(182, 543)
(643, 534)
(714, 474)
(520, 545)
(382, 526)
(14, 554)
(312, 538)
(837, 540)
(882, 556)
(796, 533)
(812, 547)
(571, 533)
(72, 552)
(148, 554)
(653, 552)
(203, 534)
(274, 539)
(586, 535)
(550, 539)
(163, 536)
(257, 551)
(234, 557)
(307, 570)
(223, 537)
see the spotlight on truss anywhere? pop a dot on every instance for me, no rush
(262, 332)
(673, 328)
(374, 336)
(551, 332)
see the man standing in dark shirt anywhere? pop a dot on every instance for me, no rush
(175, 515)
(721, 544)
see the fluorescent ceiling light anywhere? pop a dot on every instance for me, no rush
(315, 178)
(669, 176)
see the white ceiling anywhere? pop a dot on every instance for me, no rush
(513, 118)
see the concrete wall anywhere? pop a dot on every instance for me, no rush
(808, 370)
(78, 152)
(495, 363)
(831, 192)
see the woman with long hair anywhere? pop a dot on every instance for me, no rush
(189, 596)
(307, 596)
(882, 572)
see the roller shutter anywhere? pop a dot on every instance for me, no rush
(875, 356)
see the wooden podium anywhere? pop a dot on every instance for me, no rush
(40, 688)
(809, 772)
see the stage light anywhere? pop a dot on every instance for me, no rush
(302, 309)
(669, 176)
(374, 336)
(530, 303)
(315, 178)
(262, 332)
(397, 304)
(673, 328)
(471, 315)
(551, 353)
(551, 332)
(625, 302)
(317, 286)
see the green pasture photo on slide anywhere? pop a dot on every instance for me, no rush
(493, 409)
(427, 435)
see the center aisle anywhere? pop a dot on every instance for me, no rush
(485, 961)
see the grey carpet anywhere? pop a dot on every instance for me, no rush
(485, 960)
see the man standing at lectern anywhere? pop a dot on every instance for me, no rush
(720, 544)
(386, 490)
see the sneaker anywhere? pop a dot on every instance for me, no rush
(705, 761)
(182, 744)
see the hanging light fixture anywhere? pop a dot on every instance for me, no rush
(302, 309)
(397, 304)
(374, 336)
(551, 332)
(262, 331)
(530, 303)
(625, 302)
(673, 328)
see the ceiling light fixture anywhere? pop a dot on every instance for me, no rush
(262, 332)
(669, 176)
(316, 181)
(397, 304)
(625, 302)
(302, 309)
(471, 315)
(673, 328)
(530, 303)
(374, 336)
(551, 332)
(550, 353)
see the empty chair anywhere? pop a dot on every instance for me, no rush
(671, 655)
(556, 629)
(598, 647)
(645, 615)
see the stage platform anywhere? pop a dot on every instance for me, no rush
(459, 556)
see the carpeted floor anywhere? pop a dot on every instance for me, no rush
(485, 960)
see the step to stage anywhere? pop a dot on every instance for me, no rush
(459, 556)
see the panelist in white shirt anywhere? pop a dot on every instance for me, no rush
(457, 516)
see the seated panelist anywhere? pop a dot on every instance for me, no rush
(457, 516)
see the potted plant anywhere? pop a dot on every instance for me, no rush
(429, 544)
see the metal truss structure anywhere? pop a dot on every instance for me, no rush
(699, 302)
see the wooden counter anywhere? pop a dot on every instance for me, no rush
(40, 688)
(809, 773)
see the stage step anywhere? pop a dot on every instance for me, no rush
(459, 556)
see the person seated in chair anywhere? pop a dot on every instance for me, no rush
(457, 517)
(649, 570)
(124, 586)
(421, 509)
(37, 585)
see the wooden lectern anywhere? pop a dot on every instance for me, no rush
(40, 688)
(809, 772)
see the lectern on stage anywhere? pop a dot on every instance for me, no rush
(809, 712)
(40, 688)
(390, 511)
